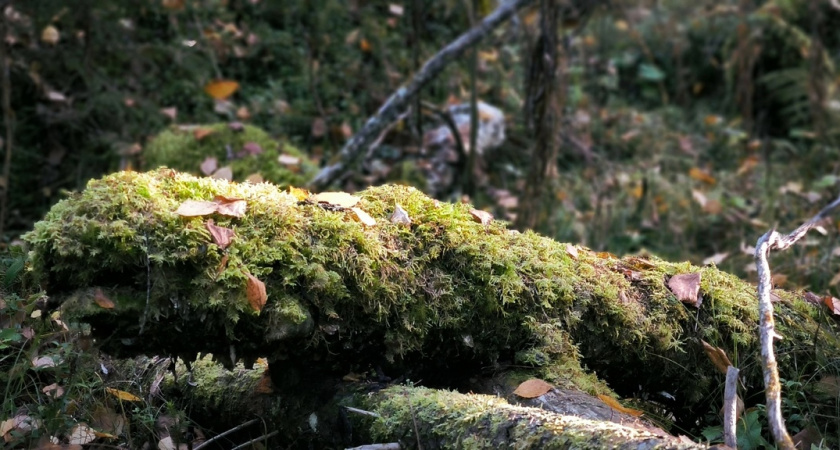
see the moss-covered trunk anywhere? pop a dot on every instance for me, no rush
(443, 299)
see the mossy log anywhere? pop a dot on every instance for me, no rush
(441, 300)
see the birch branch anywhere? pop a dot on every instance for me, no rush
(772, 240)
(400, 99)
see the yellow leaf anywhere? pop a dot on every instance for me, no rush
(364, 45)
(701, 175)
(613, 403)
(50, 35)
(221, 89)
(342, 199)
(102, 300)
(363, 217)
(123, 395)
(298, 193)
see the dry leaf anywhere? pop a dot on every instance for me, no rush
(255, 290)
(251, 149)
(243, 113)
(808, 438)
(701, 175)
(254, 178)
(572, 251)
(829, 386)
(102, 300)
(288, 160)
(171, 112)
(233, 207)
(533, 388)
(833, 304)
(201, 133)
(107, 419)
(483, 217)
(298, 193)
(342, 199)
(223, 173)
(53, 390)
(264, 385)
(221, 235)
(812, 298)
(319, 127)
(236, 126)
(81, 434)
(716, 259)
(363, 217)
(123, 395)
(194, 208)
(174, 5)
(221, 89)
(209, 165)
(717, 356)
(50, 35)
(43, 362)
(399, 216)
(222, 265)
(747, 165)
(686, 287)
(613, 403)
(364, 45)
(395, 9)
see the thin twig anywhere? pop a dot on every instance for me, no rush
(772, 387)
(388, 446)
(219, 436)
(398, 101)
(730, 407)
(413, 420)
(361, 411)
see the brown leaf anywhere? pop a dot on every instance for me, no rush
(400, 216)
(701, 175)
(613, 403)
(482, 217)
(833, 304)
(532, 388)
(812, 298)
(686, 287)
(221, 235)
(201, 133)
(363, 217)
(53, 390)
(255, 290)
(243, 113)
(572, 251)
(264, 385)
(193, 208)
(221, 89)
(222, 265)
(254, 178)
(233, 207)
(209, 165)
(342, 199)
(319, 127)
(717, 356)
(102, 300)
(223, 173)
(807, 439)
(251, 149)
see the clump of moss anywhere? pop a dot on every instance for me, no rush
(248, 150)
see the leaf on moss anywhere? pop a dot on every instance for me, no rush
(255, 290)
(717, 356)
(686, 287)
(221, 236)
(233, 207)
(482, 217)
(363, 217)
(209, 165)
(194, 208)
(532, 388)
(123, 395)
(201, 133)
(400, 216)
(224, 173)
(572, 251)
(221, 89)
(341, 199)
(102, 300)
(833, 304)
(298, 193)
(222, 265)
(236, 126)
(613, 403)
(288, 160)
(251, 149)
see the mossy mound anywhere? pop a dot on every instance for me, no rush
(446, 294)
(246, 149)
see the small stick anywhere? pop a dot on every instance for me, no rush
(362, 412)
(730, 407)
(236, 428)
(255, 440)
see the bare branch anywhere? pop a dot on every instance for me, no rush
(730, 407)
(400, 99)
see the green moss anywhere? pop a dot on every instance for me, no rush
(178, 148)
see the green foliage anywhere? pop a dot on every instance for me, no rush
(179, 149)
